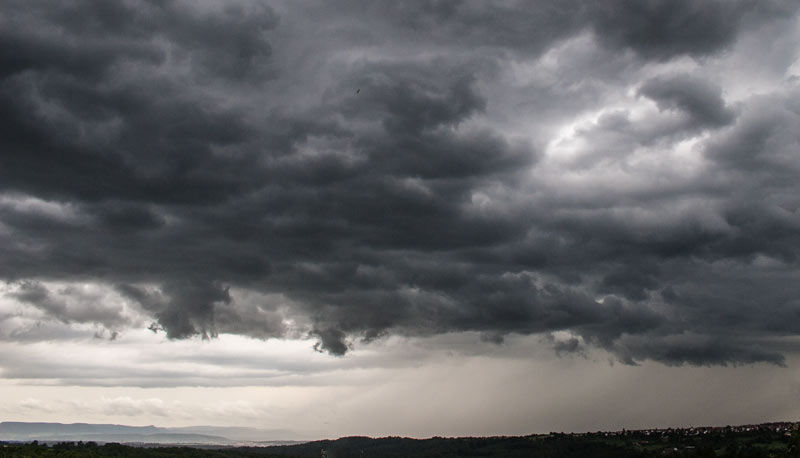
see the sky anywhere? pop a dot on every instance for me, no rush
(400, 218)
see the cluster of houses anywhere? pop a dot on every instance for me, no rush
(775, 427)
(784, 427)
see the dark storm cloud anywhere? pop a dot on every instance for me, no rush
(332, 341)
(90, 98)
(660, 29)
(694, 349)
(653, 29)
(183, 309)
(700, 99)
(763, 141)
(348, 169)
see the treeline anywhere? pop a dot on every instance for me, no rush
(760, 443)
(725, 444)
(479, 447)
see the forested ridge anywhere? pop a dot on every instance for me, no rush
(757, 443)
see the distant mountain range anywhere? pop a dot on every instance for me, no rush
(206, 435)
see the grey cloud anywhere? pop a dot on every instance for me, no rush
(569, 346)
(331, 340)
(126, 217)
(255, 320)
(687, 108)
(71, 305)
(695, 349)
(653, 29)
(663, 29)
(223, 40)
(762, 140)
(39, 331)
(487, 26)
(100, 100)
(183, 308)
(699, 98)
(367, 179)
(687, 104)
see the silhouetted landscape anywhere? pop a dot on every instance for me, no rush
(768, 440)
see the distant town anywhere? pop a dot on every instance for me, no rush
(784, 427)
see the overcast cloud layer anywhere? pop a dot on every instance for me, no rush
(617, 175)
